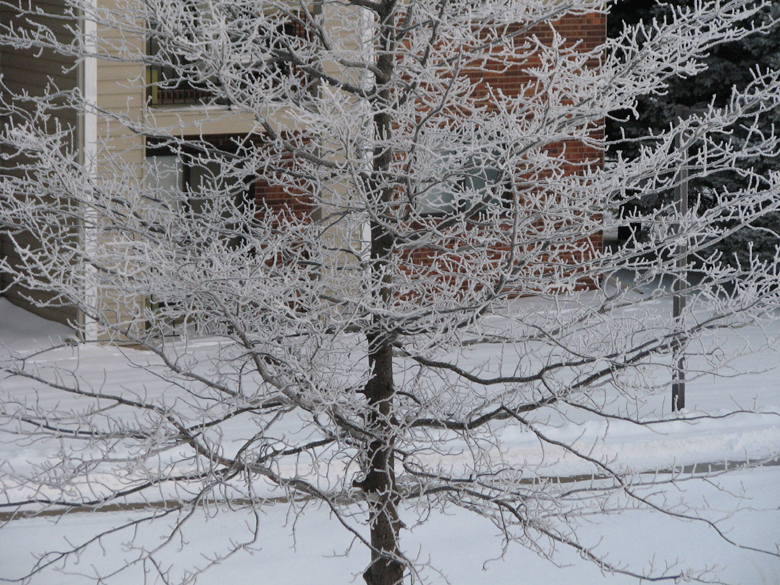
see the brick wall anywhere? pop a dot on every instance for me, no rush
(564, 267)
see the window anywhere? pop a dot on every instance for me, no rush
(210, 194)
(455, 177)
(173, 72)
(211, 57)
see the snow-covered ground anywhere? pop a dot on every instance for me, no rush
(311, 547)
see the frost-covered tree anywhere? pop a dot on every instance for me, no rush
(386, 217)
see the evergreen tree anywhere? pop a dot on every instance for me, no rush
(728, 67)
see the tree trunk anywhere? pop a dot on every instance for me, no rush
(379, 483)
(386, 567)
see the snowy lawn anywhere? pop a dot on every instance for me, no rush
(310, 546)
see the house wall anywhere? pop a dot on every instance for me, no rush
(590, 32)
(122, 89)
(33, 71)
